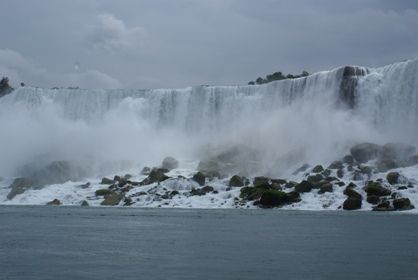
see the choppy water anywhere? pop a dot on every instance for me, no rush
(118, 243)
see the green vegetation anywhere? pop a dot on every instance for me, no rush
(277, 76)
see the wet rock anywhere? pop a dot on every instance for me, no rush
(272, 198)
(365, 151)
(54, 202)
(19, 186)
(402, 204)
(290, 185)
(384, 165)
(317, 169)
(85, 186)
(303, 186)
(373, 199)
(252, 193)
(84, 203)
(201, 191)
(375, 188)
(261, 182)
(315, 179)
(128, 201)
(200, 178)
(326, 188)
(340, 173)
(340, 183)
(367, 170)
(348, 159)
(146, 171)
(156, 175)
(293, 197)
(350, 192)
(357, 176)
(338, 164)
(383, 206)
(326, 173)
(392, 177)
(107, 181)
(352, 203)
(402, 188)
(112, 199)
(103, 192)
(236, 181)
(170, 163)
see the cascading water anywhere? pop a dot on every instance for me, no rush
(312, 119)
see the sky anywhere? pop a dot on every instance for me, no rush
(179, 43)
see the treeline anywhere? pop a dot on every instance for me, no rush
(277, 76)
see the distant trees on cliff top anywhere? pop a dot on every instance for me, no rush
(5, 88)
(277, 76)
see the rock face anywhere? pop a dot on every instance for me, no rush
(352, 203)
(170, 163)
(19, 186)
(365, 151)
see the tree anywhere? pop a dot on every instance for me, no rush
(260, 81)
(5, 88)
(251, 83)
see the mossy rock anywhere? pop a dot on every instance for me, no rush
(19, 186)
(272, 198)
(375, 188)
(261, 181)
(103, 192)
(326, 188)
(350, 192)
(107, 181)
(251, 193)
(112, 199)
(236, 181)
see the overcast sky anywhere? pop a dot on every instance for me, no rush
(177, 43)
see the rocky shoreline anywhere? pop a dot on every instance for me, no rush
(369, 177)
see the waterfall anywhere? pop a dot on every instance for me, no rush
(312, 118)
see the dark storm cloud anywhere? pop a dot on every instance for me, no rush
(166, 43)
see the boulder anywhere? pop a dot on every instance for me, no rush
(326, 188)
(19, 186)
(236, 181)
(272, 198)
(201, 191)
(112, 199)
(315, 179)
(350, 192)
(402, 204)
(146, 171)
(375, 188)
(156, 175)
(54, 202)
(340, 173)
(103, 192)
(251, 193)
(348, 159)
(317, 169)
(303, 168)
(338, 164)
(84, 203)
(373, 199)
(304, 186)
(170, 163)
(365, 151)
(107, 181)
(383, 206)
(352, 203)
(261, 182)
(293, 197)
(392, 177)
(200, 178)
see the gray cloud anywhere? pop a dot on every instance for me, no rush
(165, 43)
